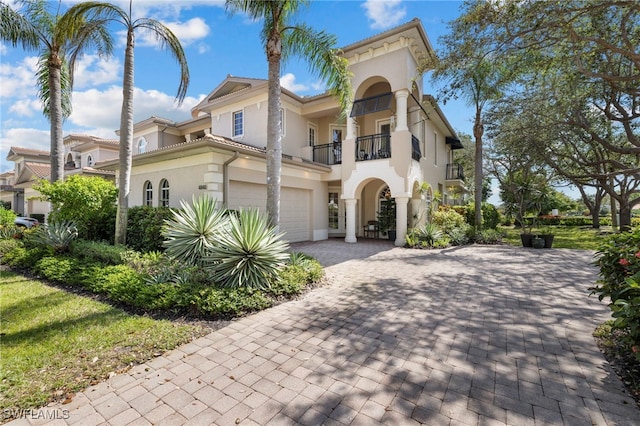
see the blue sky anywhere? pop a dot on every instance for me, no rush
(216, 44)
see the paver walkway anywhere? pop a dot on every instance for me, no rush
(465, 336)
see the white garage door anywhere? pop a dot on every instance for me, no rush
(295, 216)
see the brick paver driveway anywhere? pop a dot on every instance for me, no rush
(465, 336)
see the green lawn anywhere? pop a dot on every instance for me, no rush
(54, 343)
(572, 237)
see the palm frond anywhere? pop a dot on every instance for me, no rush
(44, 89)
(17, 29)
(169, 42)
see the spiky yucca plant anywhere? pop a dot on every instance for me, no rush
(249, 254)
(58, 235)
(193, 230)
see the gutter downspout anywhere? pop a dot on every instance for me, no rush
(225, 178)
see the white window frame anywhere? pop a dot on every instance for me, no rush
(233, 123)
(342, 128)
(310, 127)
(147, 194)
(282, 122)
(142, 145)
(435, 148)
(164, 202)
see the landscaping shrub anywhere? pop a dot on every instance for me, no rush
(228, 302)
(6, 245)
(488, 236)
(490, 215)
(249, 253)
(6, 217)
(619, 261)
(194, 230)
(144, 228)
(57, 235)
(60, 269)
(447, 220)
(22, 257)
(99, 251)
(90, 202)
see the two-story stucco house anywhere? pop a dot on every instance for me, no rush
(335, 171)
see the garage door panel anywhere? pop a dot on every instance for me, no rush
(295, 217)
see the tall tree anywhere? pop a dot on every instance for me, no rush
(283, 38)
(471, 72)
(60, 40)
(168, 41)
(582, 61)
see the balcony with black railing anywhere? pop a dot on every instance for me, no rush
(455, 172)
(328, 154)
(373, 147)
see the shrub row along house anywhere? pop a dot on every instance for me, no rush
(336, 171)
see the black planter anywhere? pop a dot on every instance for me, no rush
(392, 235)
(548, 240)
(526, 240)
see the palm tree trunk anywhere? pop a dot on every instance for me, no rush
(55, 119)
(274, 131)
(478, 131)
(126, 142)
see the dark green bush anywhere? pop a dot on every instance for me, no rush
(99, 251)
(144, 226)
(490, 215)
(619, 261)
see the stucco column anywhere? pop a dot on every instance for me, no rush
(401, 220)
(351, 128)
(401, 110)
(350, 236)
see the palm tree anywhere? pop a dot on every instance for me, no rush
(281, 39)
(60, 39)
(168, 41)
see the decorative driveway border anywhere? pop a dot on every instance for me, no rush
(465, 336)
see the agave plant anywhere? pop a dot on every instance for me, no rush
(429, 233)
(57, 235)
(193, 230)
(249, 254)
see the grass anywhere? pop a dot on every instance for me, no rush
(571, 237)
(55, 343)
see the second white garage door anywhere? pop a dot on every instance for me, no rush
(295, 207)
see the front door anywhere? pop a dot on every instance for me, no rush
(336, 214)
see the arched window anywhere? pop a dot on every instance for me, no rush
(90, 161)
(142, 145)
(164, 193)
(148, 194)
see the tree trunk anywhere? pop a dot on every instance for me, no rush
(478, 131)
(625, 215)
(126, 142)
(55, 118)
(274, 131)
(614, 213)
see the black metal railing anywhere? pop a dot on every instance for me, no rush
(373, 147)
(455, 172)
(415, 148)
(328, 154)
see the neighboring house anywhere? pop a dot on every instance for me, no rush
(6, 188)
(335, 171)
(30, 166)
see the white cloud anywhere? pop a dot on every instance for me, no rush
(92, 70)
(19, 80)
(187, 32)
(24, 138)
(3, 49)
(99, 110)
(384, 13)
(288, 81)
(26, 107)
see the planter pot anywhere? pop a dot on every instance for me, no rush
(392, 235)
(548, 240)
(526, 240)
(537, 242)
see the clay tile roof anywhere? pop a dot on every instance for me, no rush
(26, 151)
(39, 169)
